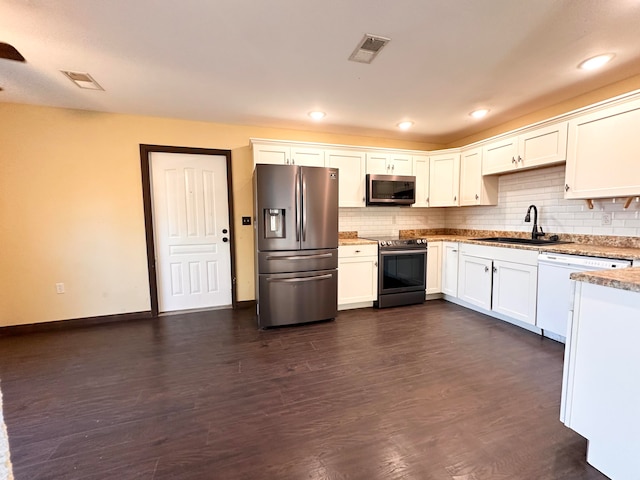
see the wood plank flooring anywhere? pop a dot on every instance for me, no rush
(430, 391)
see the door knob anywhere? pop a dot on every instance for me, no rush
(225, 239)
(224, 230)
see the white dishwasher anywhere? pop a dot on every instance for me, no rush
(554, 288)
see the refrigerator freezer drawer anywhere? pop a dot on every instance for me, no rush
(297, 261)
(287, 299)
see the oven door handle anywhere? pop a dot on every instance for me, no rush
(404, 252)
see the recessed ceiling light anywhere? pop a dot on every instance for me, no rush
(596, 62)
(405, 125)
(479, 113)
(317, 115)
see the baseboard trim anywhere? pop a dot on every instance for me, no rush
(72, 323)
(245, 304)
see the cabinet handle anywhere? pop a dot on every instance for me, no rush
(519, 158)
(427, 199)
(513, 159)
(364, 199)
(357, 251)
(454, 251)
(486, 269)
(495, 270)
(455, 198)
(293, 162)
(477, 197)
(287, 161)
(566, 187)
(375, 264)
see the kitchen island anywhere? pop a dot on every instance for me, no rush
(601, 386)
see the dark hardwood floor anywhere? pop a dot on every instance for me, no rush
(432, 391)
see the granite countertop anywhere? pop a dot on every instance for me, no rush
(356, 241)
(625, 279)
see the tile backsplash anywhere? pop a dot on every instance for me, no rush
(542, 187)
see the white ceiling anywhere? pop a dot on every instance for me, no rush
(270, 62)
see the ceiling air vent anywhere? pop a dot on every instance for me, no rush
(82, 80)
(368, 48)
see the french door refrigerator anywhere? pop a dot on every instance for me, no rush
(296, 227)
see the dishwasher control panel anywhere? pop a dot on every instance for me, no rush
(596, 263)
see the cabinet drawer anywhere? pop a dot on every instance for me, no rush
(345, 251)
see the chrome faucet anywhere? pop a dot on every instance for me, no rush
(534, 233)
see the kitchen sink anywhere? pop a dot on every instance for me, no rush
(520, 241)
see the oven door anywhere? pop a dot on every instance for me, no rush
(402, 271)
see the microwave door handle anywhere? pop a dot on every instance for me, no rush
(297, 216)
(304, 209)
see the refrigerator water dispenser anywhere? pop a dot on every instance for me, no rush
(274, 222)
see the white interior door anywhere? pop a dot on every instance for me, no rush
(191, 230)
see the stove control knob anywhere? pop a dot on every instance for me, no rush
(383, 243)
(419, 241)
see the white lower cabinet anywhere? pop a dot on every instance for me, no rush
(515, 290)
(601, 387)
(474, 279)
(357, 276)
(499, 280)
(450, 268)
(434, 268)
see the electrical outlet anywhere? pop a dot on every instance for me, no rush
(606, 218)
(59, 287)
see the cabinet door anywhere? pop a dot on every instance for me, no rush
(273, 154)
(377, 163)
(500, 156)
(357, 280)
(400, 164)
(444, 180)
(474, 280)
(434, 267)
(307, 156)
(603, 153)
(515, 290)
(351, 178)
(474, 188)
(421, 172)
(450, 268)
(544, 146)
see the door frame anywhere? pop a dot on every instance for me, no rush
(145, 164)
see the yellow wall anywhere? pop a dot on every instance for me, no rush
(71, 206)
(595, 96)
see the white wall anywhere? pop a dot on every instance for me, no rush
(544, 188)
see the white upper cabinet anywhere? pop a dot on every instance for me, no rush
(500, 156)
(474, 188)
(603, 158)
(421, 172)
(385, 163)
(444, 179)
(287, 154)
(534, 148)
(351, 176)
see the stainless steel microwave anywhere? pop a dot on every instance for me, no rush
(389, 190)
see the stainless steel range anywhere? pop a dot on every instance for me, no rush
(402, 271)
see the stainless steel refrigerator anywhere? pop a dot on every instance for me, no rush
(296, 226)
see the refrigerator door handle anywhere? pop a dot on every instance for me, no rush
(297, 208)
(304, 209)
(301, 257)
(303, 279)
